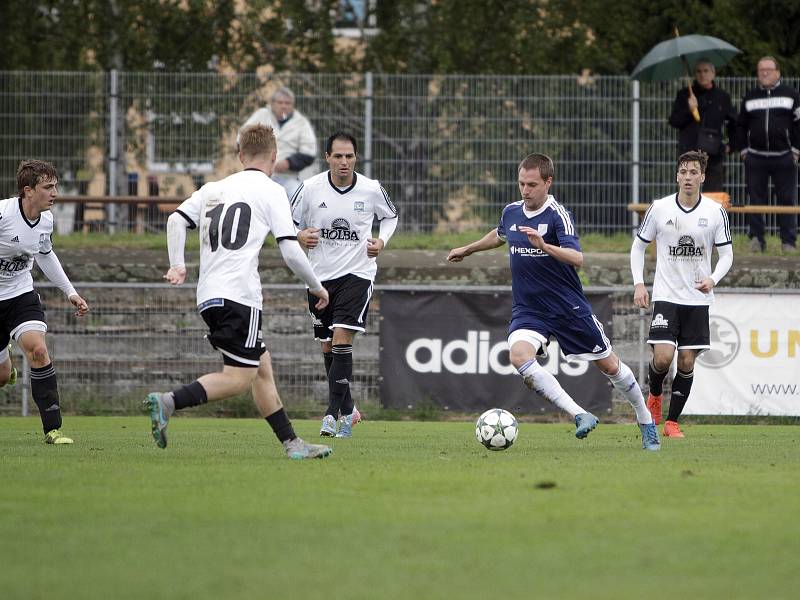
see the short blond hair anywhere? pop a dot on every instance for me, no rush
(257, 140)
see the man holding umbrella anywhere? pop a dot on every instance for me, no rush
(699, 113)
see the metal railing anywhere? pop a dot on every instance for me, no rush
(145, 337)
(445, 147)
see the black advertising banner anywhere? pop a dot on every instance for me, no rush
(449, 349)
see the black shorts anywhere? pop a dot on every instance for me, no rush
(234, 330)
(347, 308)
(25, 308)
(680, 325)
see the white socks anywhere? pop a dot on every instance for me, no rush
(626, 383)
(547, 386)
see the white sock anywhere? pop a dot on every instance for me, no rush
(626, 383)
(547, 386)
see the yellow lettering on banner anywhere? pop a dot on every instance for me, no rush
(794, 341)
(773, 344)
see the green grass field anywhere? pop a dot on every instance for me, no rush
(402, 510)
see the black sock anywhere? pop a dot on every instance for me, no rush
(44, 389)
(656, 380)
(347, 404)
(681, 386)
(190, 395)
(339, 376)
(281, 425)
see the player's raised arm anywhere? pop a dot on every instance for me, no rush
(489, 241)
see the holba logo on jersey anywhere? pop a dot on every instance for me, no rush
(340, 230)
(686, 247)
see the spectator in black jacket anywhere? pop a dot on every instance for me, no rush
(716, 110)
(768, 131)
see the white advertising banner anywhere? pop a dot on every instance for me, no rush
(753, 367)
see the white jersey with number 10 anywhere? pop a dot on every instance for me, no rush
(235, 215)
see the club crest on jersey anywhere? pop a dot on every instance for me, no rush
(358, 206)
(542, 228)
(702, 222)
(340, 230)
(686, 248)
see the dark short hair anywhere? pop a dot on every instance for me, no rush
(30, 173)
(697, 156)
(340, 135)
(538, 161)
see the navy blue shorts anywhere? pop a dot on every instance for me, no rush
(581, 338)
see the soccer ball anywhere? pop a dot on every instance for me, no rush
(496, 429)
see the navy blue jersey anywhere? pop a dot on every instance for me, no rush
(541, 285)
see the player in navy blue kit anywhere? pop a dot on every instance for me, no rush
(548, 298)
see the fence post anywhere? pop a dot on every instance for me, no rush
(635, 150)
(113, 150)
(26, 382)
(368, 89)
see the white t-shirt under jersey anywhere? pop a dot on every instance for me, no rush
(235, 215)
(345, 218)
(685, 238)
(20, 241)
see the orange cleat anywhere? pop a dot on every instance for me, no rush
(654, 406)
(672, 429)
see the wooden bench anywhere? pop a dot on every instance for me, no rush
(95, 207)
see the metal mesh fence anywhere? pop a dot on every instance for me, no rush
(148, 337)
(445, 147)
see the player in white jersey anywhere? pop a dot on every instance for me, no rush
(26, 225)
(234, 216)
(335, 211)
(686, 227)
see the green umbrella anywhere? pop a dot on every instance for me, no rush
(672, 58)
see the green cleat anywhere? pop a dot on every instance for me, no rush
(159, 419)
(12, 378)
(56, 437)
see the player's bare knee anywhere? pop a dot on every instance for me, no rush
(519, 356)
(5, 372)
(38, 355)
(685, 363)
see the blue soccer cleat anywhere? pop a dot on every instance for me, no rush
(159, 419)
(584, 423)
(650, 439)
(328, 428)
(345, 426)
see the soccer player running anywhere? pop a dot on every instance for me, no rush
(335, 211)
(686, 227)
(234, 216)
(26, 226)
(548, 298)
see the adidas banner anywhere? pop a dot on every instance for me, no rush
(449, 350)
